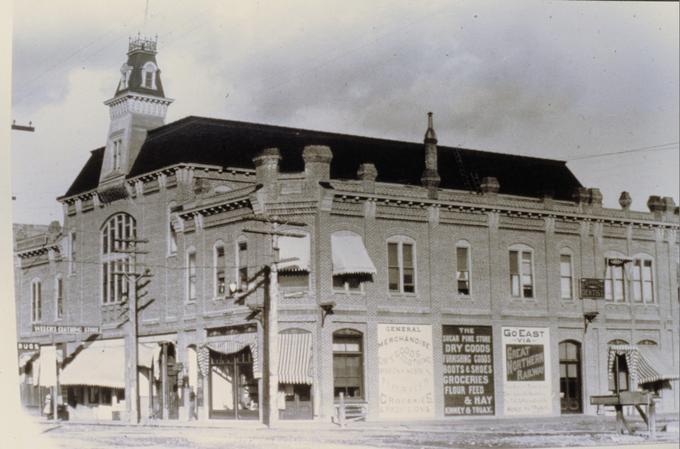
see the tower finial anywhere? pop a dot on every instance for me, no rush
(430, 135)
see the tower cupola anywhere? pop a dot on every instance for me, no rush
(138, 105)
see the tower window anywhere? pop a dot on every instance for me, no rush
(149, 75)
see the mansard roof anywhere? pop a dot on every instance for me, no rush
(88, 178)
(227, 143)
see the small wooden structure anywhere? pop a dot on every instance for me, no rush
(636, 376)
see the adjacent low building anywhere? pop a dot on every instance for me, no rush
(416, 281)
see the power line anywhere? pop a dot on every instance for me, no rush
(660, 147)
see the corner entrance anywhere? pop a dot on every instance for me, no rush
(570, 377)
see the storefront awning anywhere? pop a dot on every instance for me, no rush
(230, 345)
(646, 364)
(28, 356)
(296, 248)
(295, 355)
(100, 364)
(350, 255)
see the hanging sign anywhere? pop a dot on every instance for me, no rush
(526, 371)
(405, 367)
(468, 370)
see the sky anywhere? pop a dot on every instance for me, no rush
(592, 83)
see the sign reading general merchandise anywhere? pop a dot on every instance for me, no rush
(65, 329)
(405, 367)
(468, 370)
(526, 371)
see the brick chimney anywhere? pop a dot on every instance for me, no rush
(317, 163)
(267, 166)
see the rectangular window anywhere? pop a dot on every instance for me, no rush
(117, 154)
(191, 276)
(401, 267)
(172, 237)
(566, 277)
(521, 274)
(643, 285)
(463, 270)
(36, 302)
(72, 251)
(220, 279)
(614, 283)
(60, 298)
(348, 282)
(243, 265)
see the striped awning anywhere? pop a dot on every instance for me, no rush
(27, 356)
(297, 249)
(350, 255)
(230, 345)
(646, 364)
(295, 355)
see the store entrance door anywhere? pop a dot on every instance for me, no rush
(570, 377)
(297, 401)
(233, 389)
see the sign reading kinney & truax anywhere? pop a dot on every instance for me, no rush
(64, 329)
(468, 370)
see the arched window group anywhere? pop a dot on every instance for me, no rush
(117, 240)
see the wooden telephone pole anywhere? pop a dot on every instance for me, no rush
(131, 336)
(271, 319)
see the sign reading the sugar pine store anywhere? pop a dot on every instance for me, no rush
(405, 368)
(468, 370)
(526, 371)
(64, 329)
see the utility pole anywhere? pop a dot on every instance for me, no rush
(131, 337)
(271, 319)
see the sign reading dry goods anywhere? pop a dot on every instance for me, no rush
(468, 370)
(405, 367)
(526, 371)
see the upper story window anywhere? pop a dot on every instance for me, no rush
(116, 147)
(463, 268)
(220, 283)
(352, 266)
(72, 253)
(614, 280)
(59, 297)
(643, 280)
(295, 254)
(242, 263)
(191, 274)
(172, 233)
(521, 272)
(401, 265)
(566, 275)
(149, 75)
(36, 301)
(117, 240)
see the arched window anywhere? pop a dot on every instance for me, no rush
(614, 278)
(521, 271)
(149, 75)
(59, 297)
(463, 267)
(566, 274)
(117, 240)
(125, 71)
(348, 371)
(401, 264)
(36, 301)
(643, 279)
(220, 283)
(172, 232)
(191, 274)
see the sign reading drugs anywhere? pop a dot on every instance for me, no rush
(468, 370)
(526, 371)
(405, 368)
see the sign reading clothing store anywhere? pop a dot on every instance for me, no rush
(526, 371)
(468, 370)
(405, 367)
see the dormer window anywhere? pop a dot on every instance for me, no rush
(125, 76)
(149, 75)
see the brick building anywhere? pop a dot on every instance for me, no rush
(419, 281)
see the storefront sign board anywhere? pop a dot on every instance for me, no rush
(405, 367)
(468, 370)
(527, 380)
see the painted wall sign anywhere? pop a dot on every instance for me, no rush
(65, 329)
(526, 371)
(405, 367)
(468, 370)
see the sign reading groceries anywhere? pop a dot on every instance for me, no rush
(526, 371)
(64, 329)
